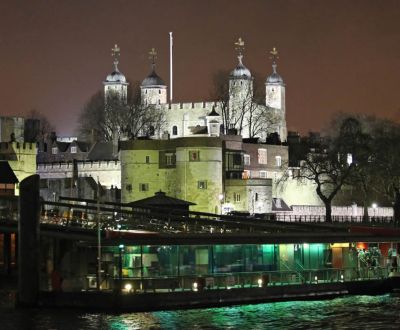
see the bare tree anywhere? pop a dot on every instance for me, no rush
(246, 114)
(112, 119)
(385, 160)
(326, 162)
(92, 119)
(44, 129)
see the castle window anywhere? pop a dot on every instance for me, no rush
(54, 150)
(278, 161)
(246, 159)
(262, 156)
(128, 187)
(143, 187)
(147, 159)
(194, 155)
(263, 174)
(151, 130)
(236, 197)
(73, 150)
(202, 184)
(174, 130)
(256, 197)
(169, 159)
(159, 91)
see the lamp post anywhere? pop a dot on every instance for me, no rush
(374, 206)
(120, 250)
(221, 199)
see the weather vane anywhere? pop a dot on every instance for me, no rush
(274, 54)
(153, 56)
(239, 46)
(115, 52)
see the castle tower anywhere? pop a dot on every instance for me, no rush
(275, 97)
(115, 83)
(153, 89)
(240, 90)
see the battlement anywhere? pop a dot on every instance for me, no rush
(192, 105)
(11, 146)
(82, 166)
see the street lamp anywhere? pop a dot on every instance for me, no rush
(221, 199)
(374, 206)
(121, 249)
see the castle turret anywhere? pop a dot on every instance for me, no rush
(240, 80)
(115, 84)
(153, 89)
(275, 97)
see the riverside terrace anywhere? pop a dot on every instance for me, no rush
(151, 251)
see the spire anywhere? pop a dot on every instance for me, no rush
(115, 53)
(152, 58)
(239, 47)
(274, 56)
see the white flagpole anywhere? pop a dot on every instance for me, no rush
(170, 67)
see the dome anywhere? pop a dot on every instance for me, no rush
(152, 80)
(274, 78)
(116, 76)
(241, 72)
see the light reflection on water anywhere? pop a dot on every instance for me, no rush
(352, 312)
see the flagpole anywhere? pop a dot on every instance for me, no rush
(170, 67)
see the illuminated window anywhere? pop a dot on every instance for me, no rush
(143, 186)
(246, 159)
(194, 155)
(278, 161)
(236, 197)
(262, 156)
(169, 159)
(202, 184)
(73, 150)
(246, 175)
(349, 159)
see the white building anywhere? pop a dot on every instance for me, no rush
(207, 118)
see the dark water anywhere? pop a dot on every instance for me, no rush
(353, 312)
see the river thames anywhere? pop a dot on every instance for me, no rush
(350, 312)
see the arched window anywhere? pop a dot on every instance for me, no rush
(174, 130)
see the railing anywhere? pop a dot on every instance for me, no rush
(343, 219)
(215, 281)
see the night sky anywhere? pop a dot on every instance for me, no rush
(334, 55)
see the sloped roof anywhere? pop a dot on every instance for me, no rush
(7, 174)
(62, 146)
(101, 151)
(83, 146)
(160, 199)
(279, 205)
